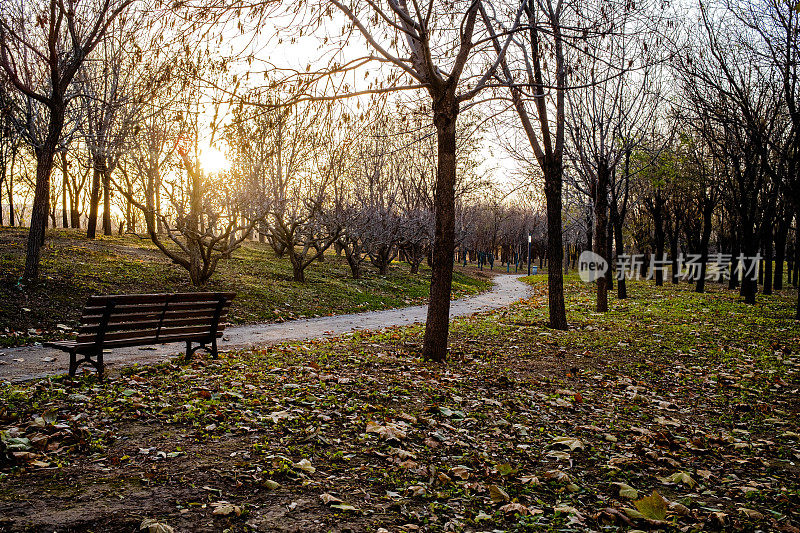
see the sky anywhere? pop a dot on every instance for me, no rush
(273, 46)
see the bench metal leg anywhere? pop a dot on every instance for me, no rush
(97, 363)
(201, 346)
(99, 366)
(73, 364)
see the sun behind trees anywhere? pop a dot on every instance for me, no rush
(424, 132)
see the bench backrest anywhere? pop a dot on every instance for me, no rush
(139, 319)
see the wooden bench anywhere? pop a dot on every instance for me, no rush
(118, 321)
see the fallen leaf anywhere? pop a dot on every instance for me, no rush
(225, 509)
(570, 442)
(684, 478)
(344, 507)
(514, 507)
(305, 466)
(505, 469)
(497, 494)
(626, 491)
(460, 472)
(154, 526)
(652, 507)
(388, 431)
(752, 514)
(565, 509)
(329, 499)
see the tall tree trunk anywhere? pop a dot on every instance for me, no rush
(590, 237)
(106, 201)
(445, 114)
(41, 197)
(159, 220)
(750, 267)
(749, 282)
(64, 209)
(52, 213)
(130, 222)
(10, 189)
(780, 253)
(553, 179)
(708, 209)
(2, 181)
(796, 263)
(658, 222)
(94, 201)
(193, 222)
(767, 288)
(622, 289)
(609, 255)
(733, 281)
(64, 189)
(600, 222)
(74, 204)
(673, 250)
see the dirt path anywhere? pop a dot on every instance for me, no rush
(33, 362)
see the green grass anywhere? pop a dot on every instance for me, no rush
(668, 382)
(73, 268)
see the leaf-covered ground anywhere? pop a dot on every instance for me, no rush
(74, 267)
(674, 411)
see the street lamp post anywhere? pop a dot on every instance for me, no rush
(529, 254)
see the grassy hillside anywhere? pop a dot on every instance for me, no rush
(74, 268)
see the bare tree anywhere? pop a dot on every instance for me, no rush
(613, 111)
(10, 142)
(741, 97)
(419, 41)
(289, 158)
(114, 94)
(204, 229)
(43, 44)
(776, 23)
(545, 20)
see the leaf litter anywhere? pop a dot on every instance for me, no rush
(566, 431)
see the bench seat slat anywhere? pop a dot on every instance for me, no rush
(144, 341)
(95, 320)
(150, 323)
(197, 330)
(96, 312)
(128, 299)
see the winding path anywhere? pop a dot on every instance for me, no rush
(33, 362)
